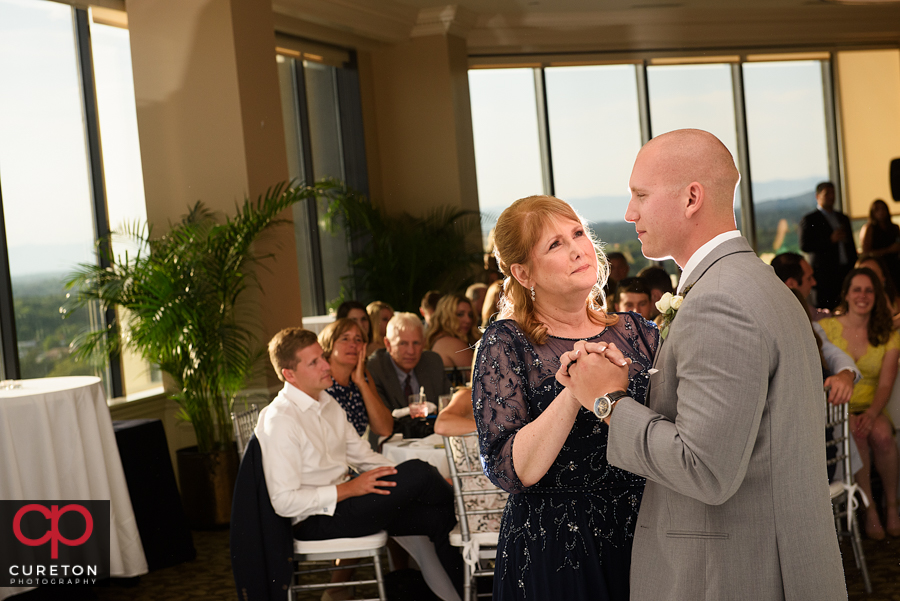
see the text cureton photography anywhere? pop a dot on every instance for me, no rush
(54, 542)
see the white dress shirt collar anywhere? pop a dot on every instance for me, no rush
(701, 254)
(303, 401)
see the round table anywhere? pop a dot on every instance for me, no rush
(57, 442)
(429, 449)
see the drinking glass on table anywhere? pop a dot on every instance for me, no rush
(443, 401)
(417, 407)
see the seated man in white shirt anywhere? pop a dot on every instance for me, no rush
(309, 447)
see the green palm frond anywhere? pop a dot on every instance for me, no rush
(180, 297)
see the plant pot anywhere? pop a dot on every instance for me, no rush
(207, 485)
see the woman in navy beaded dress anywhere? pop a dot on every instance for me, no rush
(344, 346)
(568, 527)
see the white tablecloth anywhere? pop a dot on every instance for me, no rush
(57, 442)
(429, 449)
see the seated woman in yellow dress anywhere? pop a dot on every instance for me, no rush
(862, 328)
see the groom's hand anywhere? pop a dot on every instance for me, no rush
(591, 370)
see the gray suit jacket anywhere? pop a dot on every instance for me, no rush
(429, 372)
(737, 503)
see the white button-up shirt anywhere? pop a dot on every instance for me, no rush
(308, 446)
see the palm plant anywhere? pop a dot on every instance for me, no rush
(184, 305)
(398, 258)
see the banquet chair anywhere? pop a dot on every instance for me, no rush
(479, 505)
(843, 490)
(267, 561)
(308, 552)
(244, 422)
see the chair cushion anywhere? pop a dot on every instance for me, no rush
(336, 545)
(836, 489)
(485, 539)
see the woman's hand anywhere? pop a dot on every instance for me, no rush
(358, 375)
(864, 422)
(591, 370)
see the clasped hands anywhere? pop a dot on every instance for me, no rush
(591, 370)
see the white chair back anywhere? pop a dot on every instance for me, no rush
(244, 423)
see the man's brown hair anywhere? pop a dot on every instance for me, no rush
(284, 346)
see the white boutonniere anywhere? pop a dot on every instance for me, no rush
(668, 306)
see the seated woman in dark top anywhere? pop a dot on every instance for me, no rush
(344, 345)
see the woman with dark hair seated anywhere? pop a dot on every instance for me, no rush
(343, 345)
(862, 328)
(356, 311)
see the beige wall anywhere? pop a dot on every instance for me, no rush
(419, 101)
(870, 117)
(209, 118)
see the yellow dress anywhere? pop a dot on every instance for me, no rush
(869, 364)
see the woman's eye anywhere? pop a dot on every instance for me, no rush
(579, 233)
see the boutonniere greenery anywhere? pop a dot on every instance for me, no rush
(668, 307)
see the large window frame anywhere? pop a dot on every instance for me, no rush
(736, 62)
(9, 357)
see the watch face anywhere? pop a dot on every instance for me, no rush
(601, 407)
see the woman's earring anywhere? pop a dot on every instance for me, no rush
(532, 294)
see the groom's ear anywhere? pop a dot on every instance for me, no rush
(695, 198)
(519, 272)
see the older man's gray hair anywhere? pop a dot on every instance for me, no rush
(403, 321)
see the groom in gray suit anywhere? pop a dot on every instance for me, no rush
(737, 503)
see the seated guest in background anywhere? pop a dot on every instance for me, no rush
(404, 366)
(476, 294)
(429, 304)
(379, 315)
(618, 266)
(491, 303)
(633, 295)
(862, 328)
(308, 449)
(795, 272)
(457, 418)
(356, 311)
(880, 238)
(659, 282)
(453, 331)
(344, 347)
(878, 266)
(826, 236)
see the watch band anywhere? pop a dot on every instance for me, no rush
(609, 400)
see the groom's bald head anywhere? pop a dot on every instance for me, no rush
(682, 193)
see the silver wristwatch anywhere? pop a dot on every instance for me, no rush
(603, 406)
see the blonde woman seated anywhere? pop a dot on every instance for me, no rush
(343, 345)
(862, 329)
(453, 331)
(379, 315)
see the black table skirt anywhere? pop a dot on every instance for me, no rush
(160, 516)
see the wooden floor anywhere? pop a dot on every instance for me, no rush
(208, 578)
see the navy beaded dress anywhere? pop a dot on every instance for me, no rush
(568, 536)
(350, 398)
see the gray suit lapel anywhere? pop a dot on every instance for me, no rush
(729, 247)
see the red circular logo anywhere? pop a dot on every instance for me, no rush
(53, 534)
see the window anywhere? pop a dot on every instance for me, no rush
(57, 199)
(595, 133)
(45, 176)
(323, 132)
(507, 146)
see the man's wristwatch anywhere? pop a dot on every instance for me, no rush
(603, 406)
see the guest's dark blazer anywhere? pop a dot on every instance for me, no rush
(815, 239)
(429, 372)
(262, 545)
